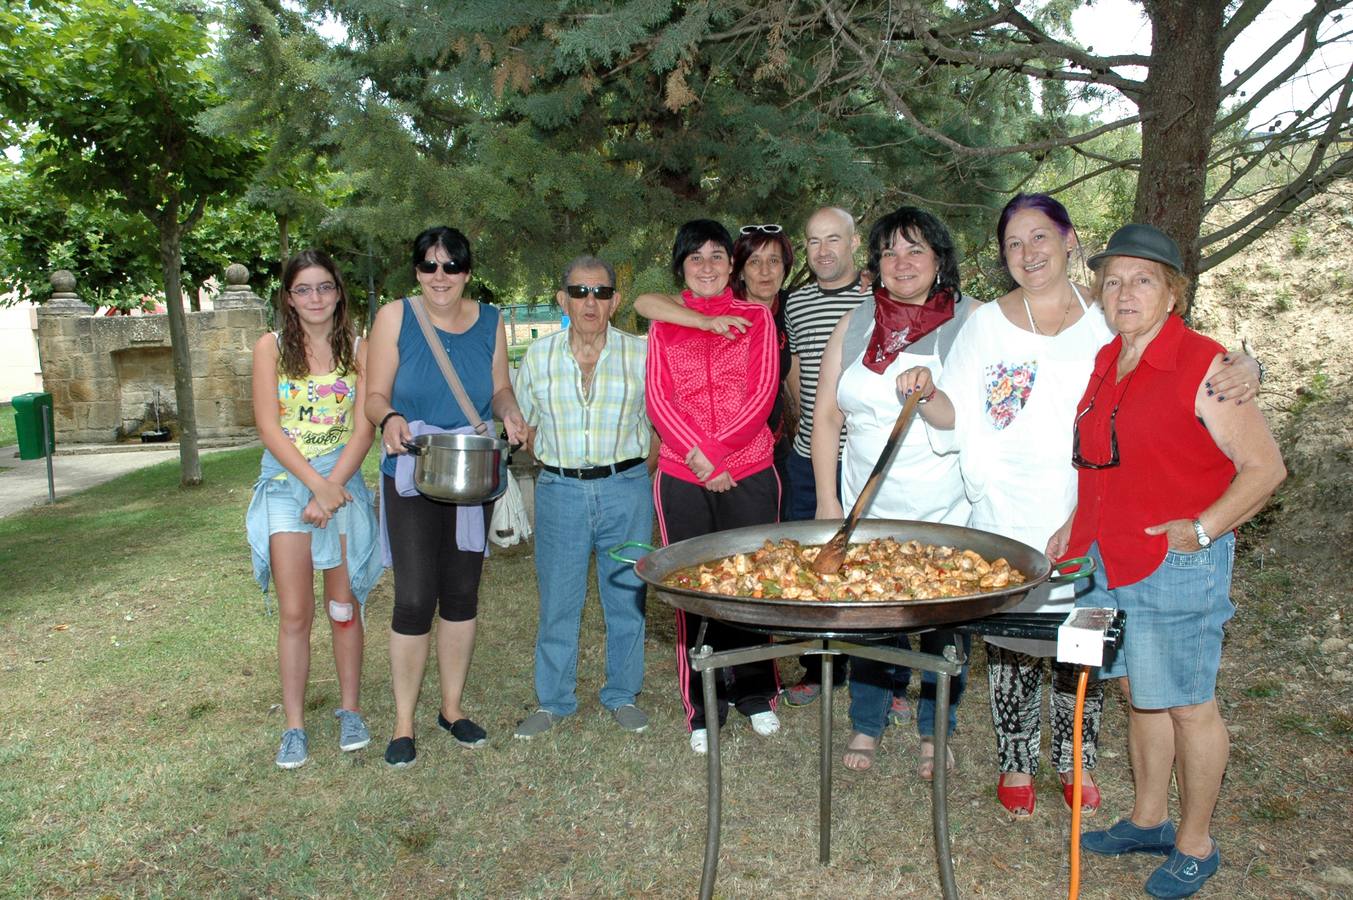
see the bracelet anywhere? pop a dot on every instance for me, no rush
(387, 417)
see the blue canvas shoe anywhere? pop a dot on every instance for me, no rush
(1124, 837)
(1182, 875)
(293, 752)
(352, 731)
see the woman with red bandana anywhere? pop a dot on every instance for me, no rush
(911, 320)
(708, 398)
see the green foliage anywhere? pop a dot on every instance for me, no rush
(548, 131)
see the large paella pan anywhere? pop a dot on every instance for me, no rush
(842, 615)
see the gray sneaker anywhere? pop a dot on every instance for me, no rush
(294, 750)
(630, 718)
(538, 722)
(352, 731)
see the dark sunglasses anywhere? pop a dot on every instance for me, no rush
(579, 291)
(760, 229)
(428, 266)
(1080, 462)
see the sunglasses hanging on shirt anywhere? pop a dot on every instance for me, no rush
(579, 291)
(429, 266)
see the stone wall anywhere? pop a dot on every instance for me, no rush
(104, 372)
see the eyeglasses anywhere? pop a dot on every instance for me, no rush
(760, 229)
(429, 266)
(1080, 462)
(579, 291)
(324, 289)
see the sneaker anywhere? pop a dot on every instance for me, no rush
(466, 733)
(630, 717)
(1124, 837)
(700, 740)
(352, 731)
(1182, 875)
(900, 712)
(294, 750)
(765, 723)
(401, 753)
(538, 722)
(802, 694)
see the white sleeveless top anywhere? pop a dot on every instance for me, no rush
(919, 483)
(1014, 395)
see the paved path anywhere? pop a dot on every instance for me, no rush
(23, 482)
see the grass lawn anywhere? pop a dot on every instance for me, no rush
(139, 718)
(8, 431)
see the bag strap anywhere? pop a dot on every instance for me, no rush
(444, 363)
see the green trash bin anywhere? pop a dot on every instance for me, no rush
(28, 413)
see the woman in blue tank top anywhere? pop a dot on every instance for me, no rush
(436, 570)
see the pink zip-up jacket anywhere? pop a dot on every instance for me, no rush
(707, 391)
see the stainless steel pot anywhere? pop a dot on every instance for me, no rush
(843, 615)
(459, 468)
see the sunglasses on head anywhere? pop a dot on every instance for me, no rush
(450, 267)
(760, 229)
(579, 291)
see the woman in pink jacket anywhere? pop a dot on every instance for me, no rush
(708, 397)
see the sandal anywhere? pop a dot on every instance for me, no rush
(1018, 800)
(865, 754)
(1090, 797)
(926, 767)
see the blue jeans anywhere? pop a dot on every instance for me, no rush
(871, 688)
(574, 520)
(802, 487)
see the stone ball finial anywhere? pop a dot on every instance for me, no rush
(236, 293)
(64, 301)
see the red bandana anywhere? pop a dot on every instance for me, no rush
(899, 325)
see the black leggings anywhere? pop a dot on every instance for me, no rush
(431, 574)
(687, 510)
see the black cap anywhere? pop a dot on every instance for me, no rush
(1143, 242)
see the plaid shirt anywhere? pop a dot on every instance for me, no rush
(574, 431)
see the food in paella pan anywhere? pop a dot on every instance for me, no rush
(881, 569)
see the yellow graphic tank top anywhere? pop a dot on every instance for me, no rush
(316, 411)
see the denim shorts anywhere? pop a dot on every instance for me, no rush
(1172, 639)
(285, 515)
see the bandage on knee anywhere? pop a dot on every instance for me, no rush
(340, 612)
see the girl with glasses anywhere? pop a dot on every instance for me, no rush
(310, 508)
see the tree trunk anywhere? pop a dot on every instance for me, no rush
(283, 240)
(171, 264)
(1179, 105)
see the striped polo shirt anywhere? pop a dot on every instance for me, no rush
(811, 313)
(574, 430)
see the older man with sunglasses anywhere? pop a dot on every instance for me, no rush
(582, 393)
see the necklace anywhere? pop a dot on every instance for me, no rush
(1066, 311)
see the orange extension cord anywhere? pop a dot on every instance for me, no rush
(1075, 888)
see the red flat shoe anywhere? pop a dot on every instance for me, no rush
(1090, 798)
(1017, 800)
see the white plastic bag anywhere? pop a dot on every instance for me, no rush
(510, 524)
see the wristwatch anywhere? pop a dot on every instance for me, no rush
(1203, 539)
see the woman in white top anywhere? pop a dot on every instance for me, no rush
(1009, 391)
(911, 320)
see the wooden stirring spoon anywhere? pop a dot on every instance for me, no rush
(833, 553)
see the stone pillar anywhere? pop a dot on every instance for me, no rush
(236, 293)
(64, 302)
